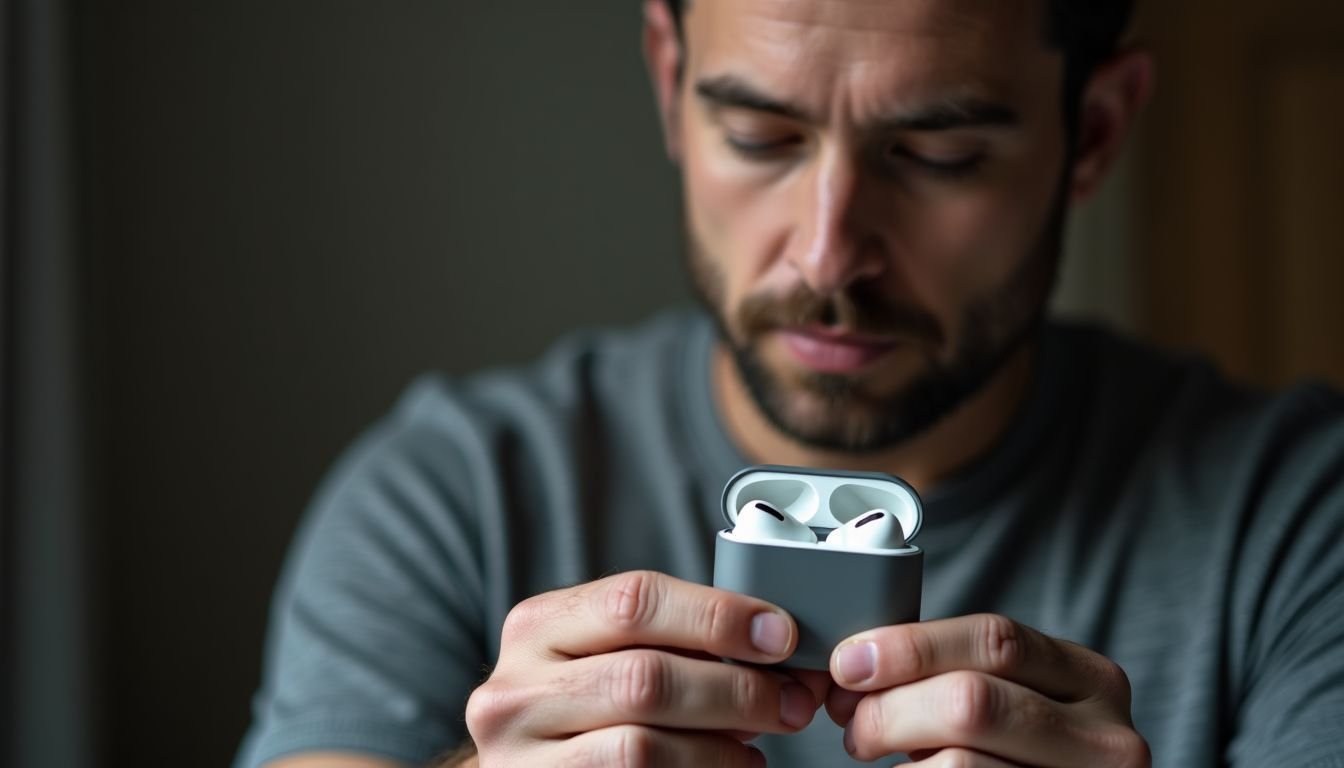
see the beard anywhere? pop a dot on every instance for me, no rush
(851, 413)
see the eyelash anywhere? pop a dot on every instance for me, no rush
(755, 150)
(951, 169)
(771, 150)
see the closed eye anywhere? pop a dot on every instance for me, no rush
(758, 149)
(953, 166)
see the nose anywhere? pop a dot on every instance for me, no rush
(833, 246)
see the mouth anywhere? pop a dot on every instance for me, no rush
(826, 350)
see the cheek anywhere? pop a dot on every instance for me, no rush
(971, 244)
(736, 215)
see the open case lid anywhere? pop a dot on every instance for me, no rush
(824, 498)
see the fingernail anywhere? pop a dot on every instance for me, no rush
(796, 705)
(770, 634)
(756, 756)
(857, 662)
(849, 742)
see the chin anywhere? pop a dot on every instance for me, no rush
(827, 411)
(833, 426)
(855, 413)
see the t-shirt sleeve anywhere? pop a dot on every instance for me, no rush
(375, 636)
(1290, 601)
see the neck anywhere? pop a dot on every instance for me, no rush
(924, 460)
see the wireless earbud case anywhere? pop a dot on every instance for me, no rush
(831, 593)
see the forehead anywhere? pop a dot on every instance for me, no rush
(874, 50)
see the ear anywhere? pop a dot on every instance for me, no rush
(663, 56)
(1110, 102)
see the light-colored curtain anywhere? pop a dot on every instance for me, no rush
(45, 625)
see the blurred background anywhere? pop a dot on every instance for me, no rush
(233, 231)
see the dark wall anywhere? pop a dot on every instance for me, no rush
(294, 207)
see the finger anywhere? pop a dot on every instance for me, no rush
(643, 608)
(987, 643)
(841, 703)
(627, 745)
(817, 681)
(956, 757)
(652, 687)
(987, 714)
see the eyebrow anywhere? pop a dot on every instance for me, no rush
(729, 91)
(948, 114)
(954, 113)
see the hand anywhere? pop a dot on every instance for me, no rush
(982, 691)
(626, 671)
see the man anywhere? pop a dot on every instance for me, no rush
(1129, 561)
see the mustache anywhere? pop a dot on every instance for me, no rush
(853, 310)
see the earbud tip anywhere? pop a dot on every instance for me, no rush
(874, 529)
(761, 521)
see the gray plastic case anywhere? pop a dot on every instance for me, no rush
(831, 593)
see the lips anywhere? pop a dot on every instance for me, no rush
(834, 352)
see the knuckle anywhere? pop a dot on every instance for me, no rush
(523, 620)
(907, 655)
(1142, 754)
(954, 758)
(970, 702)
(629, 599)
(1114, 682)
(638, 683)
(1000, 643)
(489, 708)
(873, 719)
(1126, 748)
(1038, 714)
(633, 747)
(717, 618)
(867, 727)
(748, 691)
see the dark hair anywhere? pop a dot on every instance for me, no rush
(1085, 31)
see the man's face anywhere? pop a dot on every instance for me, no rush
(873, 198)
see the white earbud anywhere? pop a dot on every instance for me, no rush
(759, 521)
(874, 529)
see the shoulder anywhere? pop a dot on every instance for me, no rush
(407, 559)
(589, 378)
(452, 440)
(610, 365)
(1208, 459)
(1229, 508)
(1182, 403)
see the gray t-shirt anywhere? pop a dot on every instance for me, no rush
(1139, 505)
